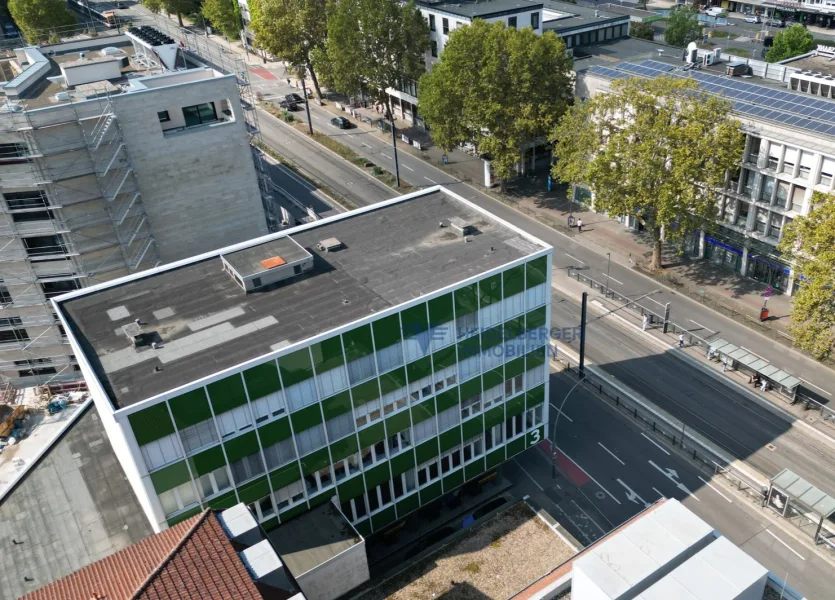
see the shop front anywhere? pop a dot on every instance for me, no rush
(723, 254)
(769, 272)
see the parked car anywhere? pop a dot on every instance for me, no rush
(286, 105)
(752, 19)
(294, 98)
(341, 123)
(715, 11)
(776, 23)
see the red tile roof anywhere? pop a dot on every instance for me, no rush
(193, 559)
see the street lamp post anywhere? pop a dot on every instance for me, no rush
(554, 432)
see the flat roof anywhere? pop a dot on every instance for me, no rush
(74, 507)
(249, 261)
(819, 64)
(559, 16)
(313, 538)
(393, 252)
(479, 8)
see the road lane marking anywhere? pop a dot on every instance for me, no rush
(587, 475)
(702, 326)
(315, 117)
(615, 280)
(656, 444)
(612, 453)
(659, 493)
(570, 420)
(814, 386)
(768, 531)
(427, 179)
(632, 495)
(405, 166)
(572, 258)
(535, 482)
(364, 144)
(383, 154)
(708, 484)
(672, 475)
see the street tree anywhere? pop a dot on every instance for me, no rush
(36, 17)
(499, 88)
(791, 42)
(223, 16)
(657, 149)
(155, 6)
(294, 31)
(180, 8)
(683, 26)
(810, 242)
(642, 4)
(642, 31)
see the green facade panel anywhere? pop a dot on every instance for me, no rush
(536, 271)
(315, 461)
(535, 318)
(371, 435)
(444, 358)
(295, 367)
(304, 419)
(151, 424)
(440, 310)
(358, 343)
(466, 300)
(377, 475)
(426, 450)
(424, 410)
(292, 513)
(474, 469)
(321, 498)
(493, 417)
(514, 281)
(495, 457)
(449, 439)
(491, 338)
(254, 490)
(262, 380)
(336, 405)
(469, 347)
(393, 380)
(453, 480)
(344, 447)
(183, 516)
(535, 436)
(493, 378)
(515, 406)
(383, 518)
(190, 408)
(447, 399)
(366, 392)
(516, 446)
(430, 492)
(470, 388)
(386, 331)
(285, 475)
(227, 393)
(363, 528)
(414, 320)
(407, 505)
(514, 328)
(207, 461)
(398, 422)
(514, 367)
(223, 501)
(472, 427)
(275, 431)
(535, 396)
(490, 290)
(534, 358)
(170, 477)
(419, 369)
(350, 489)
(327, 354)
(402, 462)
(241, 446)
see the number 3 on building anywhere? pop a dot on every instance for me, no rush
(534, 437)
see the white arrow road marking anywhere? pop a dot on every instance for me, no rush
(673, 476)
(632, 496)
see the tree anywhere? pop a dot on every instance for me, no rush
(683, 26)
(642, 4)
(657, 149)
(375, 44)
(155, 6)
(294, 31)
(223, 16)
(791, 42)
(642, 31)
(498, 88)
(810, 242)
(180, 8)
(34, 17)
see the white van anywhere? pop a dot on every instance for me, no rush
(715, 11)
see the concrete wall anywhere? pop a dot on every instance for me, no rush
(199, 187)
(337, 576)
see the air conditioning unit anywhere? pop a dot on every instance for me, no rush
(63, 96)
(460, 226)
(329, 245)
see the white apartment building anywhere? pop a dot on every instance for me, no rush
(110, 163)
(789, 154)
(812, 12)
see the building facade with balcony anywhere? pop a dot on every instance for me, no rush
(109, 165)
(377, 359)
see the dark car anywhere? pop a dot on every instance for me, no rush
(294, 98)
(287, 105)
(341, 123)
(776, 23)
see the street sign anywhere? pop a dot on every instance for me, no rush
(768, 291)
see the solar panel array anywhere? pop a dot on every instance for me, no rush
(794, 110)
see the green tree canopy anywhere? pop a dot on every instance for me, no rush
(642, 31)
(223, 16)
(499, 88)
(294, 31)
(810, 242)
(683, 26)
(35, 17)
(791, 42)
(375, 44)
(181, 7)
(657, 149)
(155, 6)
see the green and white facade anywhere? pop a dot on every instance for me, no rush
(385, 414)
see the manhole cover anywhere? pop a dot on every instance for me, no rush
(811, 419)
(771, 447)
(600, 495)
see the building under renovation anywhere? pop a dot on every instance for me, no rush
(116, 154)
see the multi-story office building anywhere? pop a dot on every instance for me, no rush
(811, 12)
(380, 358)
(111, 162)
(789, 153)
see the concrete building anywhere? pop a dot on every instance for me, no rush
(812, 12)
(789, 153)
(582, 25)
(110, 163)
(380, 357)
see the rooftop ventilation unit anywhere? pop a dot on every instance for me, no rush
(329, 245)
(63, 96)
(266, 264)
(460, 226)
(152, 48)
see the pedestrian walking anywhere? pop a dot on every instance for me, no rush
(646, 320)
(724, 364)
(580, 225)
(681, 340)
(764, 384)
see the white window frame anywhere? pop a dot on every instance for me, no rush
(514, 305)
(332, 381)
(469, 367)
(292, 493)
(378, 494)
(395, 400)
(317, 478)
(427, 468)
(470, 407)
(306, 435)
(449, 418)
(492, 396)
(421, 389)
(377, 456)
(212, 480)
(233, 422)
(248, 461)
(417, 346)
(444, 378)
(536, 296)
(466, 325)
(533, 417)
(517, 428)
(476, 447)
(175, 492)
(390, 357)
(258, 510)
(442, 335)
(448, 460)
(353, 517)
(367, 413)
(490, 315)
(495, 437)
(402, 440)
(269, 407)
(362, 369)
(535, 376)
(284, 457)
(301, 394)
(405, 479)
(424, 430)
(161, 452)
(517, 385)
(205, 432)
(348, 471)
(346, 424)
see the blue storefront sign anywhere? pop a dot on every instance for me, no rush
(723, 245)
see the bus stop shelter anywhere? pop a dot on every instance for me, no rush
(793, 497)
(745, 361)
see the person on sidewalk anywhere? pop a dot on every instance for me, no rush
(681, 340)
(724, 364)
(646, 320)
(580, 225)
(764, 385)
